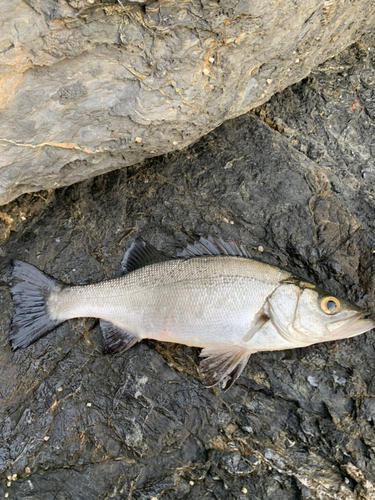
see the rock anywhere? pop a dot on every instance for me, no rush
(90, 86)
(298, 423)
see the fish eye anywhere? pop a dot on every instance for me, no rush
(330, 305)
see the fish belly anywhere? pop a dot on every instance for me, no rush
(197, 314)
(268, 338)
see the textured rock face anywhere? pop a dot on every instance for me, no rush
(88, 87)
(295, 177)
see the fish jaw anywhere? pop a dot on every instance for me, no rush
(348, 328)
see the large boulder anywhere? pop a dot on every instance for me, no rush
(90, 86)
(296, 178)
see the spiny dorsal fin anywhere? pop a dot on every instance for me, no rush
(141, 254)
(223, 364)
(215, 246)
(116, 339)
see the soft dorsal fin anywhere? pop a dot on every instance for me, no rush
(215, 246)
(141, 254)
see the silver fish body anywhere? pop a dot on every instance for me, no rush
(230, 305)
(201, 302)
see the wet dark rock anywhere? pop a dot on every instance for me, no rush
(76, 424)
(89, 86)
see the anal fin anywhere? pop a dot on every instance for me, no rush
(223, 364)
(116, 339)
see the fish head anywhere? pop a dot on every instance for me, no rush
(305, 314)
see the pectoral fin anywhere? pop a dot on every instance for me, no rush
(223, 364)
(259, 320)
(115, 339)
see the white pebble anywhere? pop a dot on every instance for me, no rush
(339, 380)
(312, 381)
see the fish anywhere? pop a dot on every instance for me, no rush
(214, 296)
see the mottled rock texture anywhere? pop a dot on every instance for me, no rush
(295, 177)
(90, 86)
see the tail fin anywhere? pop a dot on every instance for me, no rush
(30, 291)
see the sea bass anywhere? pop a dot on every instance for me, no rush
(215, 297)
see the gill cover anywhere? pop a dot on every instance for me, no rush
(282, 308)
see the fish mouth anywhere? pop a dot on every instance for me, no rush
(350, 327)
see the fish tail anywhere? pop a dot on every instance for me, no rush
(30, 289)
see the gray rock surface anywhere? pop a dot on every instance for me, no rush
(295, 177)
(90, 86)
